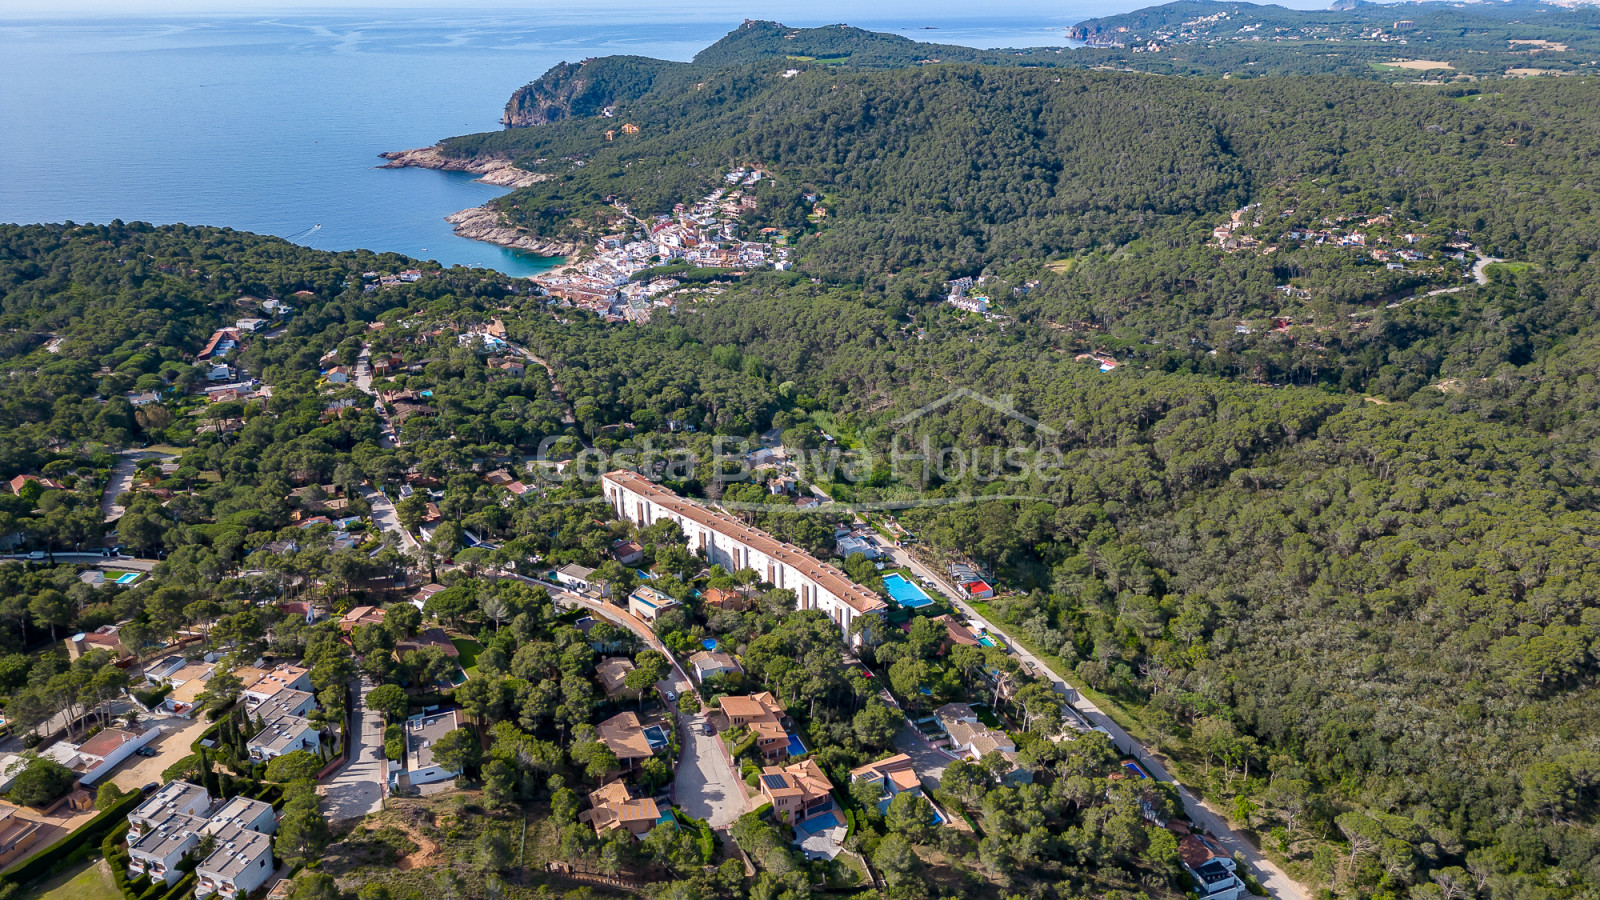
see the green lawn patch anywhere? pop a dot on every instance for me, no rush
(469, 650)
(90, 882)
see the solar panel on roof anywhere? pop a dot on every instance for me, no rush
(773, 782)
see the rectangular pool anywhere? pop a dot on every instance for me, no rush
(905, 593)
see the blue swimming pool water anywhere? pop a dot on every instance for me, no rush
(905, 593)
(128, 577)
(1134, 768)
(795, 747)
(709, 644)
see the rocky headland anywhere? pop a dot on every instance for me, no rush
(483, 223)
(490, 170)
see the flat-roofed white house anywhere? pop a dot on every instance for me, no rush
(242, 812)
(173, 797)
(286, 677)
(286, 703)
(284, 734)
(158, 849)
(728, 542)
(422, 734)
(646, 602)
(240, 862)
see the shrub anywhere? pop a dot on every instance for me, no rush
(43, 782)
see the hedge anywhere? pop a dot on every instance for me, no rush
(704, 836)
(210, 732)
(73, 848)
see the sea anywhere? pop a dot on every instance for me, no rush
(273, 122)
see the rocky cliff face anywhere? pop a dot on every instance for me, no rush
(490, 170)
(483, 223)
(584, 89)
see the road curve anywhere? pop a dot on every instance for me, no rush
(1274, 879)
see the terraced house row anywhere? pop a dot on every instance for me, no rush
(727, 542)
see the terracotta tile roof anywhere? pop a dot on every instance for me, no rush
(625, 736)
(829, 578)
(106, 742)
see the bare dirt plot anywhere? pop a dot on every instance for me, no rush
(1534, 46)
(1418, 65)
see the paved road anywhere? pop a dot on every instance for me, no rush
(1275, 880)
(125, 563)
(928, 760)
(387, 439)
(706, 785)
(356, 788)
(384, 514)
(122, 479)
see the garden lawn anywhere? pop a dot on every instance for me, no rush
(469, 650)
(92, 882)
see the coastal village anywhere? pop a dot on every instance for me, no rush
(704, 235)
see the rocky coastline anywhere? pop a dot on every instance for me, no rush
(490, 170)
(483, 223)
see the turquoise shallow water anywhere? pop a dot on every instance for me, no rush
(273, 124)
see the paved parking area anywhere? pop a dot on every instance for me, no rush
(177, 734)
(706, 785)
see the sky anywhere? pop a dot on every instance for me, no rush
(843, 10)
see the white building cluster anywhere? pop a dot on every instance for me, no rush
(180, 817)
(730, 543)
(706, 234)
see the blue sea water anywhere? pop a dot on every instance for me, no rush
(273, 123)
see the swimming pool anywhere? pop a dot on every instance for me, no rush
(1134, 768)
(795, 747)
(905, 593)
(128, 577)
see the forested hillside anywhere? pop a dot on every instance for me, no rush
(1281, 399)
(1330, 519)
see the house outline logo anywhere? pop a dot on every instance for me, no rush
(1004, 405)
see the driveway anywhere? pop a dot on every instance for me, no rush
(386, 518)
(357, 787)
(122, 479)
(928, 760)
(177, 734)
(706, 786)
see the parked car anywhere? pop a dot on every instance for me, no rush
(150, 788)
(706, 729)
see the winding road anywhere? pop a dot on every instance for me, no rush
(1274, 879)
(705, 784)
